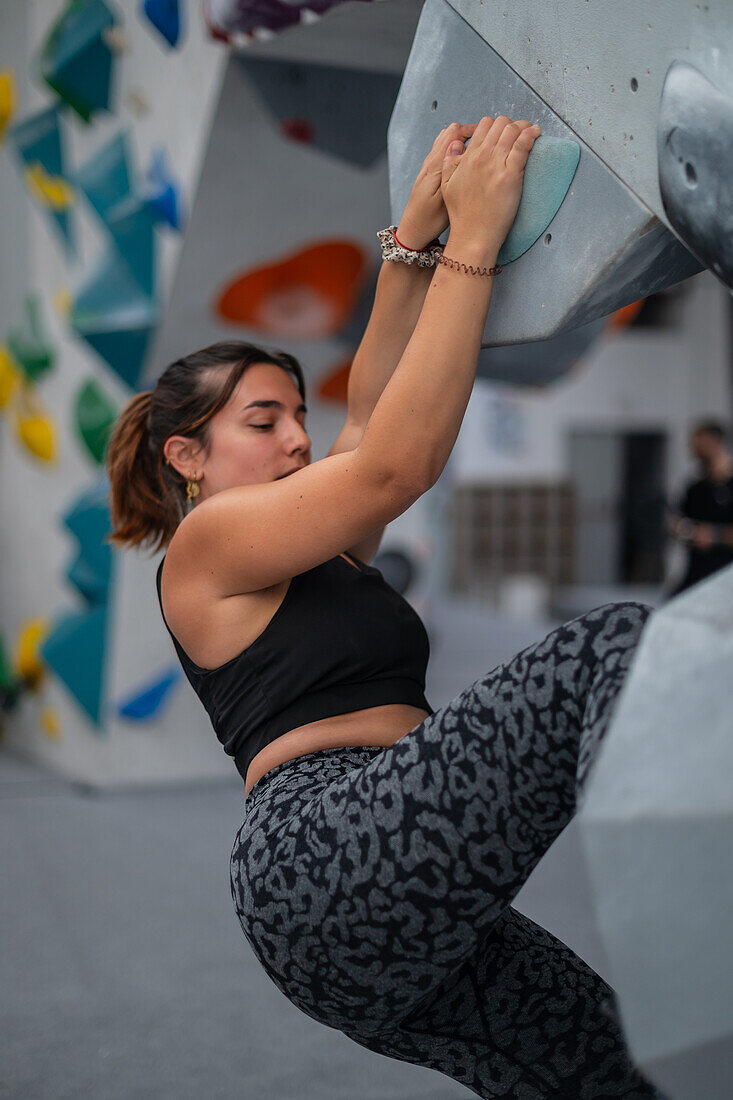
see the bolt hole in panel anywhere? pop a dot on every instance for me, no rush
(608, 248)
(695, 150)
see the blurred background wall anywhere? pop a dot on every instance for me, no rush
(222, 191)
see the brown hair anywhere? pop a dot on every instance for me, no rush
(147, 497)
(712, 427)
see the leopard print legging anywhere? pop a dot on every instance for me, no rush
(374, 884)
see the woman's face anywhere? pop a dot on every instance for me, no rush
(258, 436)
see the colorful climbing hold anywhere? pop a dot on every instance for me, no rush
(114, 315)
(105, 176)
(28, 344)
(9, 377)
(27, 663)
(75, 651)
(37, 434)
(38, 140)
(95, 415)
(162, 193)
(8, 679)
(625, 316)
(148, 701)
(299, 129)
(76, 58)
(50, 724)
(52, 191)
(309, 295)
(333, 386)
(89, 521)
(62, 301)
(165, 16)
(7, 99)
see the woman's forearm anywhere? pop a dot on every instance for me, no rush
(417, 419)
(401, 290)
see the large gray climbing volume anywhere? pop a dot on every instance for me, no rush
(695, 147)
(657, 829)
(603, 249)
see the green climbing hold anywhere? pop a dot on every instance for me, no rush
(28, 344)
(8, 679)
(550, 169)
(95, 417)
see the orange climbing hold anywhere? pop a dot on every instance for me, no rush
(624, 316)
(333, 386)
(309, 295)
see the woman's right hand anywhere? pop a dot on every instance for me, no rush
(482, 185)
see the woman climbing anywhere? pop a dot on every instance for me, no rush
(383, 843)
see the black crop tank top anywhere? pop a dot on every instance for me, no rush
(341, 640)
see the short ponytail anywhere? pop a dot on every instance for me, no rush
(144, 512)
(148, 497)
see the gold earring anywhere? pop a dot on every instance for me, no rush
(192, 489)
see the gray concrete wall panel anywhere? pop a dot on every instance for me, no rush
(601, 66)
(603, 249)
(657, 829)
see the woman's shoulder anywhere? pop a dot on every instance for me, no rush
(212, 630)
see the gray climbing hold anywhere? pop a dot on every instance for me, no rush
(695, 150)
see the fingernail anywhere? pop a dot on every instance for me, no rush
(456, 148)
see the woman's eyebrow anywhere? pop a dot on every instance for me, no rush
(272, 405)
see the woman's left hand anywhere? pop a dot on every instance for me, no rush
(425, 215)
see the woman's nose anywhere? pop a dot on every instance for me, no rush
(299, 438)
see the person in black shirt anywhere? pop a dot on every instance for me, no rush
(703, 518)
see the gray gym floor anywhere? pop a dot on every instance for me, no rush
(123, 969)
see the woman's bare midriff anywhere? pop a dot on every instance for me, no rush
(378, 726)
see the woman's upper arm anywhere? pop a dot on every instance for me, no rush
(249, 538)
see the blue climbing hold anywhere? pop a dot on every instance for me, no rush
(150, 700)
(165, 16)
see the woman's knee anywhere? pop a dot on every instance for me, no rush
(624, 617)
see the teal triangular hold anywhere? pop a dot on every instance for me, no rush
(75, 651)
(89, 522)
(124, 351)
(109, 293)
(38, 140)
(547, 177)
(88, 581)
(75, 60)
(148, 701)
(131, 225)
(105, 177)
(113, 314)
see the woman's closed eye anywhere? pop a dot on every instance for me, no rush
(262, 427)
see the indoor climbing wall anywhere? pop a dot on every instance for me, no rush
(634, 102)
(156, 213)
(102, 135)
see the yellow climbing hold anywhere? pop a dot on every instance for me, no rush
(38, 435)
(7, 98)
(115, 40)
(63, 300)
(51, 191)
(9, 376)
(50, 724)
(27, 663)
